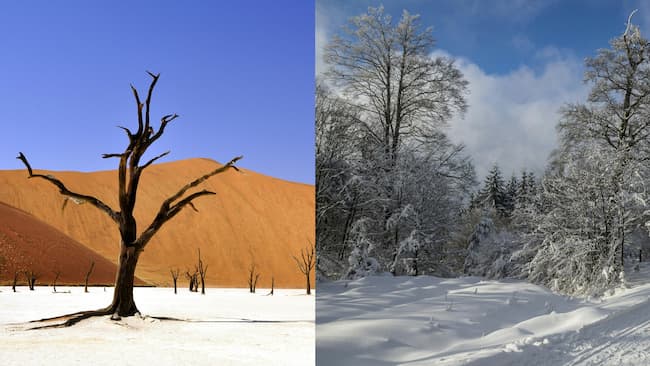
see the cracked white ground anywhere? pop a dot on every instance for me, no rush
(223, 327)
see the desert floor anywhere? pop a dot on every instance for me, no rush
(223, 327)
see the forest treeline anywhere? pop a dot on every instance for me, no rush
(395, 194)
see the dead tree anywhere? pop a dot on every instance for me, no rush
(174, 273)
(31, 277)
(194, 281)
(13, 286)
(202, 269)
(306, 264)
(272, 285)
(130, 169)
(57, 273)
(253, 277)
(90, 270)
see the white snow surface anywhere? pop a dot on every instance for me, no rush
(472, 321)
(223, 327)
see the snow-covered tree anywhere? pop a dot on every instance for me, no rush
(494, 194)
(393, 170)
(489, 249)
(361, 264)
(386, 69)
(616, 115)
(582, 229)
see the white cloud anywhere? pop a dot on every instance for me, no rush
(325, 17)
(511, 118)
(321, 40)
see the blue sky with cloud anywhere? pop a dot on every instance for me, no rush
(239, 73)
(523, 59)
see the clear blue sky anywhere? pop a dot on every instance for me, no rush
(524, 60)
(239, 73)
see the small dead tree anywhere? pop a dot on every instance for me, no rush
(253, 277)
(193, 278)
(272, 285)
(306, 263)
(31, 277)
(174, 273)
(90, 270)
(202, 269)
(13, 286)
(130, 169)
(57, 273)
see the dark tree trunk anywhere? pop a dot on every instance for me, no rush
(123, 303)
(308, 284)
(13, 286)
(272, 285)
(90, 271)
(174, 273)
(57, 274)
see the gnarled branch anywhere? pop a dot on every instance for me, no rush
(169, 209)
(163, 123)
(128, 132)
(66, 192)
(148, 101)
(196, 182)
(154, 159)
(139, 104)
(116, 155)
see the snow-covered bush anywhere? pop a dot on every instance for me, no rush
(490, 249)
(361, 264)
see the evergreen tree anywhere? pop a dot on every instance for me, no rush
(511, 195)
(493, 195)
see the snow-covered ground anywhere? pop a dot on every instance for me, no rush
(472, 321)
(224, 327)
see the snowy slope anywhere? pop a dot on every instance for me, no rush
(434, 321)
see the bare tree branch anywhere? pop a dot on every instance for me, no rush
(154, 159)
(148, 101)
(163, 123)
(196, 182)
(66, 192)
(167, 210)
(115, 155)
(139, 104)
(128, 132)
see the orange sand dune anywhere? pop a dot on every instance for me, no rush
(251, 216)
(27, 243)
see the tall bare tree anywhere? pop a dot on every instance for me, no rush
(130, 169)
(306, 263)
